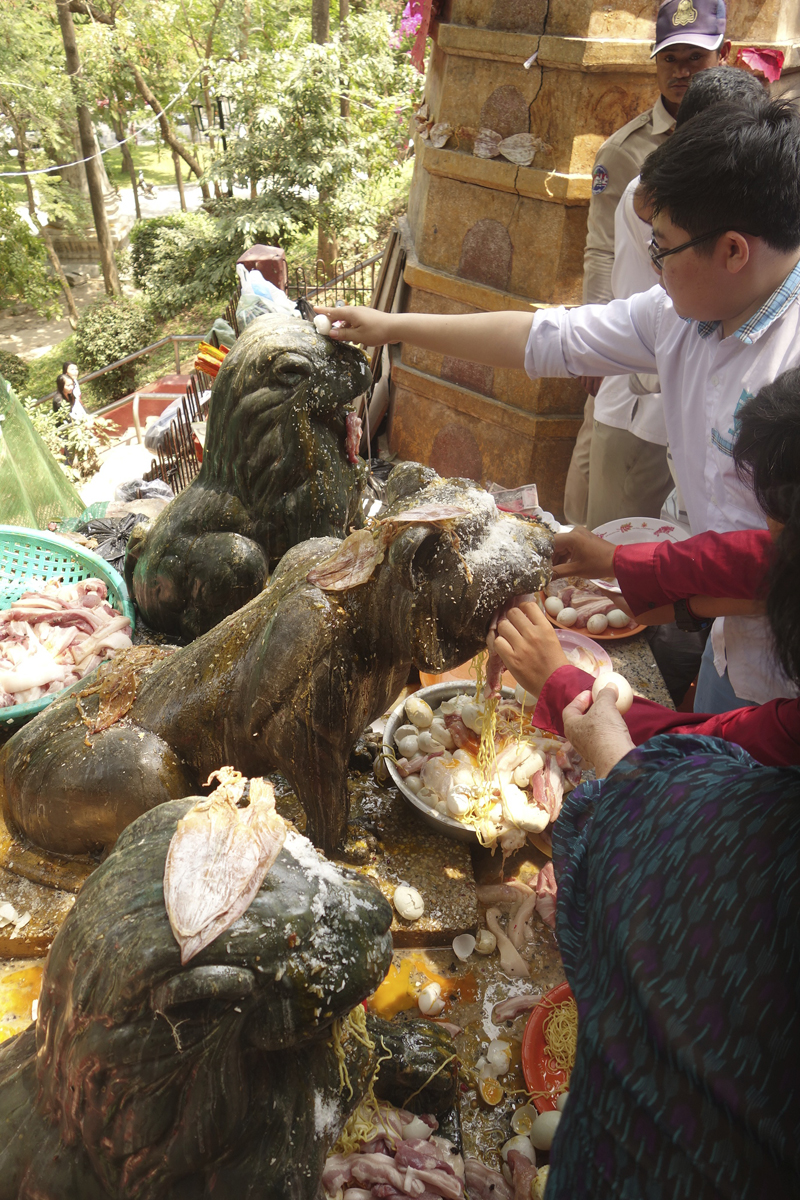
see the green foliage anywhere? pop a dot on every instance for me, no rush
(109, 330)
(180, 260)
(75, 445)
(14, 370)
(23, 261)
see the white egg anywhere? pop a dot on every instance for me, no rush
(623, 688)
(561, 1102)
(322, 324)
(408, 902)
(566, 617)
(413, 783)
(472, 716)
(419, 712)
(522, 1145)
(485, 942)
(417, 1129)
(540, 1183)
(543, 1130)
(408, 746)
(428, 796)
(441, 734)
(526, 699)
(427, 744)
(429, 1000)
(458, 804)
(498, 1055)
(597, 624)
(553, 605)
(617, 619)
(463, 945)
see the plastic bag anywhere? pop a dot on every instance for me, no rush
(112, 537)
(156, 432)
(141, 489)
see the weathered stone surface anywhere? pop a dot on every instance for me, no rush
(486, 254)
(506, 111)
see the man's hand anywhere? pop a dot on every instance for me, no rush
(367, 326)
(590, 383)
(597, 731)
(528, 646)
(581, 553)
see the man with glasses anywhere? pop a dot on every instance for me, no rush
(690, 37)
(629, 474)
(725, 321)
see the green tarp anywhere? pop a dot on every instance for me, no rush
(33, 488)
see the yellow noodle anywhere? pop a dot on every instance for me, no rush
(561, 1036)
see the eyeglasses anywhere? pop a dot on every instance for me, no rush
(657, 255)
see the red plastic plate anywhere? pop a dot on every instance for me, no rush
(538, 1076)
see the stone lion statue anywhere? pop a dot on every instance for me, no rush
(280, 465)
(143, 1079)
(287, 683)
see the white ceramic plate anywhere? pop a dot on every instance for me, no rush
(631, 531)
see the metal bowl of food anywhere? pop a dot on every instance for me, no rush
(434, 696)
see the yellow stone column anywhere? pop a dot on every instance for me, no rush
(486, 234)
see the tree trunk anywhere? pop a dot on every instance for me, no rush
(327, 243)
(88, 147)
(166, 131)
(127, 158)
(344, 99)
(55, 261)
(176, 160)
(320, 21)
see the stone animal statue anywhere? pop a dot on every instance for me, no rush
(287, 683)
(146, 1080)
(280, 465)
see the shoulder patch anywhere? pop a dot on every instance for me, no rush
(599, 180)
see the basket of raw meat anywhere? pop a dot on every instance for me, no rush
(62, 611)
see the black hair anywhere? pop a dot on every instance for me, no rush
(60, 381)
(721, 85)
(734, 169)
(69, 362)
(766, 452)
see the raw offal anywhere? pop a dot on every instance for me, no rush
(218, 858)
(53, 635)
(395, 1154)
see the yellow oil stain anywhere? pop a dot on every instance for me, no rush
(400, 988)
(18, 990)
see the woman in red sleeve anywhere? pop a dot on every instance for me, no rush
(713, 574)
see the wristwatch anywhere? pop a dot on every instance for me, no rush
(687, 621)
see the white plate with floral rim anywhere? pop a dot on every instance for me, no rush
(632, 531)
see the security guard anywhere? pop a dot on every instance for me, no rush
(690, 37)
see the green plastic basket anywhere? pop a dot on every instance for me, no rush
(27, 554)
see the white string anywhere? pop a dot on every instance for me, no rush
(108, 149)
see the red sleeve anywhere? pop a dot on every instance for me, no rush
(770, 732)
(728, 565)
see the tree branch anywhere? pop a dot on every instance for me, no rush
(166, 130)
(218, 7)
(87, 9)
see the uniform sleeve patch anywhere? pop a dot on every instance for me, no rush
(599, 180)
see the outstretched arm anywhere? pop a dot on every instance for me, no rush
(496, 339)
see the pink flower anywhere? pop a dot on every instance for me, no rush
(409, 23)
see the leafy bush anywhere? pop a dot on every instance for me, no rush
(23, 261)
(109, 330)
(75, 445)
(14, 369)
(183, 259)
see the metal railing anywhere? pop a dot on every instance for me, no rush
(353, 285)
(175, 338)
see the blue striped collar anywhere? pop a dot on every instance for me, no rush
(750, 331)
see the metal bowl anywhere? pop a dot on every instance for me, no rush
(434, 696)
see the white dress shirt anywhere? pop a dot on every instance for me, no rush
(704, 380)
(617, 403)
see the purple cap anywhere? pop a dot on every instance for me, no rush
(690, 23)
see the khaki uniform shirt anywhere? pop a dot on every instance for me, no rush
(619, 160)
